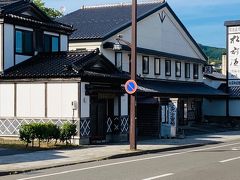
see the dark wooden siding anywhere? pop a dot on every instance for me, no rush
(148, 120)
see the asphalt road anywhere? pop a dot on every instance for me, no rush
(213, 162)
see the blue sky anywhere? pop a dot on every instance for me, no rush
(203, 19)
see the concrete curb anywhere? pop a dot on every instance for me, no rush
(124, 155)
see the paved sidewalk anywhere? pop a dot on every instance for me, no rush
(54, 158)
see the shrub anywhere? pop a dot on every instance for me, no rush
(52, 132)
(47, 132)
(68, 131)
(27, 134)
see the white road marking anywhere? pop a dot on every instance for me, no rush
(227, 160)
(129, 161)
(235, 149)
(161, 176)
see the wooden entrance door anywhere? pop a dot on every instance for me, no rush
(98, 113)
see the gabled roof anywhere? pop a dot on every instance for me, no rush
(100, 23)
(11, 11)
(63, 65)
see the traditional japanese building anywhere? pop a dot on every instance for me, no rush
(226, 110)
(41, 81)
(169, 65)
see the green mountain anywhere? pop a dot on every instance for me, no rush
(213, 53)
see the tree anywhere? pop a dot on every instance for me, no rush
(49, 11)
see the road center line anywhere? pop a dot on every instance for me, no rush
(161, 176)
(129, 161)
(227, 160)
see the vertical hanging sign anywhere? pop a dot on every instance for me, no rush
(233, 56)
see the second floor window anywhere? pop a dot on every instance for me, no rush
(157, 66)
(24, 42)
(168, 68)
(178, 69)
(118, 60)
(195, 71)
(51, 43)
(187, 70)
(145, 65)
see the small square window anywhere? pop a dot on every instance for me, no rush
(145, 65)
(178, 69)
(168, 68)
(157, 66)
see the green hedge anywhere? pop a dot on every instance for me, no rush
(46, 132)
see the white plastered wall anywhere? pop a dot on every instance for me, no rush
(64, 42)
(6, 100)
(59, 99)
(214, 107)
(124, 105)
(85, 102)
(30, 100)
(1, 46)
(84, 45)
(234, 105)
(8, 45)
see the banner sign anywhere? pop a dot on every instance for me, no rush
(234, 56)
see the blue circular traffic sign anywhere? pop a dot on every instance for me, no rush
(131, 86)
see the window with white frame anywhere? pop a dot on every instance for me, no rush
(145, 65)
(168, 68)
(118, 60)
(187, 70)
(157, 66)
(178, 69)
(195, 71)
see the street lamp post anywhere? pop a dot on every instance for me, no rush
(132, 138)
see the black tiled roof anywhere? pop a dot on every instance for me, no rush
(99, 22)
(178, 88)
(47, 66)
(11, 10)
(65, 65)
(232, 23)
(4, 3)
